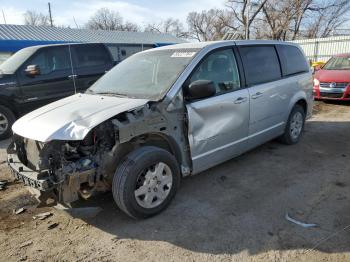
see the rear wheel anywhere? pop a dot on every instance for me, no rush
(294, 127)
(7, 118)
(146, 182)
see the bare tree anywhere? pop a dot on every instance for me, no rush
(245, 12)
(106, 19)
(36, 19)
(327, 19)
(288, 20)
(207, 25)
(168, 26)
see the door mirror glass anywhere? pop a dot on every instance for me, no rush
(32, 70)
(200, 89)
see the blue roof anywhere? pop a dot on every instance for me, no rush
(15, 37)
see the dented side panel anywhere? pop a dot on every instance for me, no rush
(218, 128)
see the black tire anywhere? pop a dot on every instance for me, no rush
(10, 117)
(287, 138)
(128, 175)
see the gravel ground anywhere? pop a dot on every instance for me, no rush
(233, 212)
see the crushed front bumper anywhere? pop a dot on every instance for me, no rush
(24, 174)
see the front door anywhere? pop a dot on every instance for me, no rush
(218, 125)
(52, 83)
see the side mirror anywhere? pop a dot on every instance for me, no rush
(200, 89)
(32, 70)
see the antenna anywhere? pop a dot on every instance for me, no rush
(50, 14)
(3, 15)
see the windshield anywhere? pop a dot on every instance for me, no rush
(146, 75)
(14, 62)
(338, 63)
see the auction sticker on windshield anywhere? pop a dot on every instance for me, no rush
(183, 54)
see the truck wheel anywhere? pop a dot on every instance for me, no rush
(7, 118)
(146, 182)
(294, 127)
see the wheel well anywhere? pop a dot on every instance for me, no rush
(160, 140)
(303, 104)
(11, 107)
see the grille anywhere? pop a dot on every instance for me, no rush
(331, 95)
(337, 85)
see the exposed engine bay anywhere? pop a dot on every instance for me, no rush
(68, 170)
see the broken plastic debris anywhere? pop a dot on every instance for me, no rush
(42, 216)
(306, 225)
(19, 211)
(25, 244)
(3, 184)
(52, 226)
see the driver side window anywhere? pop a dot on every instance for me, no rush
(221, 68)
(50, 60)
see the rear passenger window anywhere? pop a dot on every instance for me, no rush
(261, 64)
(91, 55)
(292, 60)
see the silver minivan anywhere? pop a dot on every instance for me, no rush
(159, 116)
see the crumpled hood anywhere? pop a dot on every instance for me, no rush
(73, 117)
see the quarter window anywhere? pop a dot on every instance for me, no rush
(221, 68)
(261, 64)
(292, 60)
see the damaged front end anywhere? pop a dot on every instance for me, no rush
(63, 170)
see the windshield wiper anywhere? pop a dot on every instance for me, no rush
(110, 94)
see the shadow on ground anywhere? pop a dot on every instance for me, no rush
(241, 204)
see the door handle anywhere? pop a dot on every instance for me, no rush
(257, 95)
(240, 100)
(72, 76)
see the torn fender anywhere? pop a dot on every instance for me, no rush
(73, 117)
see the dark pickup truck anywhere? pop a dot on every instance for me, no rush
(38, 75)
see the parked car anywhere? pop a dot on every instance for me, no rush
(332, 81)
(161, 115)
(36, 76)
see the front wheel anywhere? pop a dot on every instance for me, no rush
(7, 118)
(294, 127)
(146, 182)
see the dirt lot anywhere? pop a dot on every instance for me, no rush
(233, 212)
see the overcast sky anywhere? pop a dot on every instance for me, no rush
(137, 11)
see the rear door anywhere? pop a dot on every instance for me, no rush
(268, 96)
(218, 125)
(52, 83)
(90, 62)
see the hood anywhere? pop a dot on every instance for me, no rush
(73, 117)
(333, 75)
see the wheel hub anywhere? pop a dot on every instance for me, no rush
(154, 185)
(3, 123)
(296, 125)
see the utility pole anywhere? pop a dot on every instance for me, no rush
(3, 15)
(50, 15)
(247, 21)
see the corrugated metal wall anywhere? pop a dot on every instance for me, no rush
(321, 49)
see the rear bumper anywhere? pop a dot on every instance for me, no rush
(29, 177)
